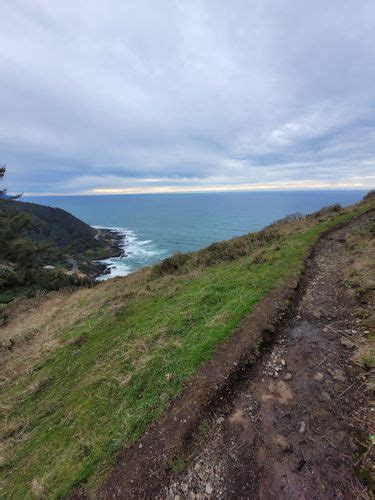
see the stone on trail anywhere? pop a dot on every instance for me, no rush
(209, 489)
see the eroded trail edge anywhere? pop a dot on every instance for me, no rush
(266, 417)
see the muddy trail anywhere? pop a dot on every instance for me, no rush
(282, 428)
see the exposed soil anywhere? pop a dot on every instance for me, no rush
(275, 427)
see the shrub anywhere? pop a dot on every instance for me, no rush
(223, 251)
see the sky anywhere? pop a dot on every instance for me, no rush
(123, 96)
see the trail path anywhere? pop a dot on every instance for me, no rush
(284, 432)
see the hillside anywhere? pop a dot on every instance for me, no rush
(44, 248)
(84, 375)
(60, 227)
(71, 235)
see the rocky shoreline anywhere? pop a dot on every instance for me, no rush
(113, 246)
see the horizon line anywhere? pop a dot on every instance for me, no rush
(200, 190)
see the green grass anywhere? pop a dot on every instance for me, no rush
(177, 465)
(117, 369)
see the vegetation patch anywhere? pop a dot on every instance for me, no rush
(360, 278)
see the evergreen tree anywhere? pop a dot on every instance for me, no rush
(2, 173)
(20, 259)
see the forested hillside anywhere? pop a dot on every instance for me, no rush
(58, 226)
(46, 248)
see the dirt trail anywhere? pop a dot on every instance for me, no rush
(284, 431)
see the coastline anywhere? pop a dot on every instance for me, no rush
(113, 241)
(138, 253)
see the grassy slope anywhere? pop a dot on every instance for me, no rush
(360, 278)
(110, 359)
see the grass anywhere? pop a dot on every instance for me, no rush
(177, 465)
(86, 373)
(360, 278)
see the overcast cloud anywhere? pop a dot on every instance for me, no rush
(130, 96)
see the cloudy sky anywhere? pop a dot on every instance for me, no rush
(118, 96)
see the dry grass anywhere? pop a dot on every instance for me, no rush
(37, 326)
(36, 332)
(365, 355)
(360, 277)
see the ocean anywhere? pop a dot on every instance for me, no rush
(155, 226)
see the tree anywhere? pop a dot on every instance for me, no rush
(22, 260)
(3, 192)
(2, 173)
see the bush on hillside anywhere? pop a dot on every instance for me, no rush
(220, 252)
(369, 196)
(328, 210)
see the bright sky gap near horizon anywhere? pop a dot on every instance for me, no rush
(186, 95)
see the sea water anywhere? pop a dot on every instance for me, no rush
(155, 226)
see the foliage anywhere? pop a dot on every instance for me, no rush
(222, 251)
(59, 228)
(21, 258)
(2, 173)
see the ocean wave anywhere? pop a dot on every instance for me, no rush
(136, 254)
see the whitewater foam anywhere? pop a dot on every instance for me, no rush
(136, 253)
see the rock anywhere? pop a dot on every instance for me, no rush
(209, 489)
(338, 375)
(347, 343)
(288, 376)
(326, 395)
(282, 443)
(283, 362)
(238, 418)
(220, 420)
(302, 428)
